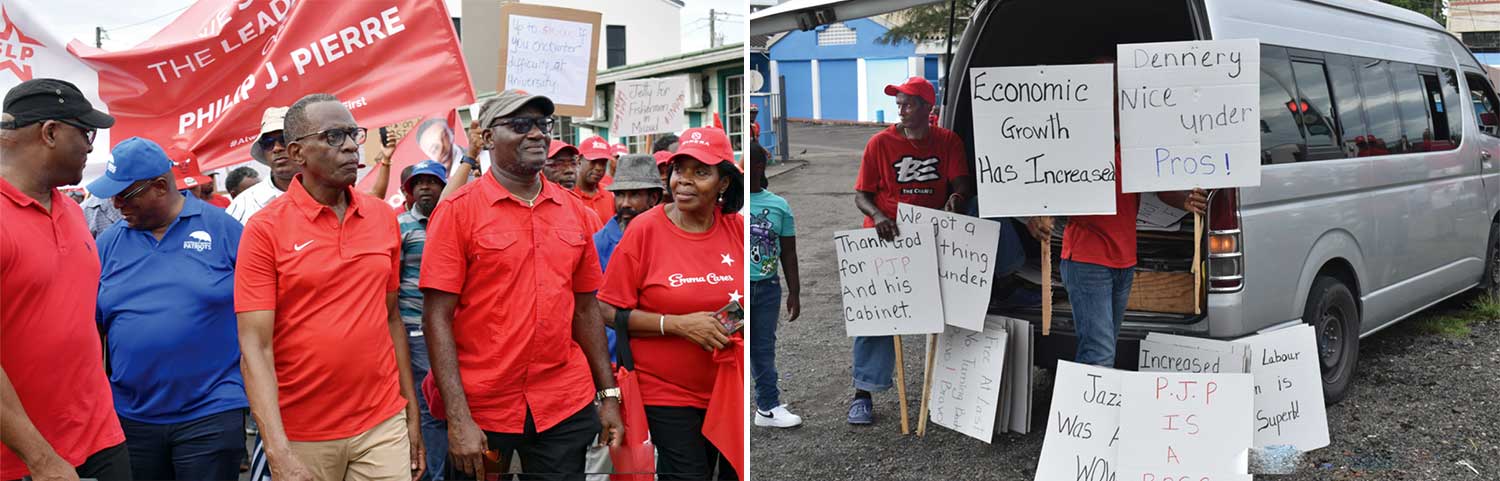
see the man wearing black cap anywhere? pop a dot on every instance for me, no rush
(59, 414)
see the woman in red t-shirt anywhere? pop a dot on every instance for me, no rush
(676, 265)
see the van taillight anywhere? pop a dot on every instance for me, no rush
(1226, 257)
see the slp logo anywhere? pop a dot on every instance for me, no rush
(697, 138)
(199, 241)
(909, 169)
(15, 54)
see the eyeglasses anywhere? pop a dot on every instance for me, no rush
(523, 125)
(336, 137)
(137, 190)
(268, 141)
(88, 133)
(563, 160)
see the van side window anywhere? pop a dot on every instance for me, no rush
(1351, 115)
(1280, 136)
(1453, 105)
(1384, 124)
(1437, 111)
(1483, 99)
(1314, 111)
(1415, 125)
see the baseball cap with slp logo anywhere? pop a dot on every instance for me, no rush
(134, 159)
(595, 148)
(189, 174)
(43, 99)
(707, 144)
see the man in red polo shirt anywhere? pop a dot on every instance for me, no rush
(323, 348)
(508, 281)
(58, 412)
(597, 154)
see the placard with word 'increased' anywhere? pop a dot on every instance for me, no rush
(1044, 140)
(1185, 426)
(966, 379)
(1288, 388)
(1169, 353)
(966, 261)
(649, 106)
(889, 287)
(1083, 432)
(1189, 115)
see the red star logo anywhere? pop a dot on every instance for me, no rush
(15, 55)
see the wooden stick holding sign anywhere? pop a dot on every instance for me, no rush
(926, 385)
(901, 386)
(1047, 284)
(1197, 263)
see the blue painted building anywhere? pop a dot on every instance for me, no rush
(839, 72)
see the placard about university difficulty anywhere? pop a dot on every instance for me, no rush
(648, 106)
(1044, 140)
(889, 288)
(966, 261)
(550, 51)
(1189, 115)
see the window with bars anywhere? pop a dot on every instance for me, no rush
(837, 34)
(564, 131)
(734, 87)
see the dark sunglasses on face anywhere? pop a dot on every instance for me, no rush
(523, 125)
(268, 141)
(88, 133)
(336, 137)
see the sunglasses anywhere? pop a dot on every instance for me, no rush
(336, 137)
(137, 190)
(523, 125)
(268, 141)
(88, 133)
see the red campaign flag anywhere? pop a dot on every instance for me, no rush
(437, 136)
(199, 86)
(724, 423)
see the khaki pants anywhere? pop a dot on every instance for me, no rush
(381, 454)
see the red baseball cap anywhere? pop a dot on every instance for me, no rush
(917, 86)
(595, 148)
(706, 144)
(188, 174)
(621, 149)
(556, 146)
(662, 156)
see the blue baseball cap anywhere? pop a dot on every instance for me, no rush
(427, 167)
(135, 159)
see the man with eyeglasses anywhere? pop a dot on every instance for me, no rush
(508, 279)
(59, 414)
(323, 347)
(166, 307)
(269, 149)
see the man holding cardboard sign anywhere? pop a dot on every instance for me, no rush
(912, 162)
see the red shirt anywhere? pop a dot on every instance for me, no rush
(335, 364)
(602, 202)
(515, 269)
(658, 267)
(49, 277)
(218, 201)
(1106, 240)
(916, 172)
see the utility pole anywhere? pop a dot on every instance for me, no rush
(98, 37)
(712, 17)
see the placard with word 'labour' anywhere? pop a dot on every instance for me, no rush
(1083, 431)
(1044, 140)
(1180, 424)
(966, 261)
(1288, 388)
(966, 379)
(889, 287)
(1189, 115)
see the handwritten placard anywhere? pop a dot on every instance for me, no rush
(1288, 389)
(966, 261)
(1179, 424)
(889, 287)
(1083, 432)
(1048, 146)
(1154, 212)
(550, 51)
(1170, 353)
(648, 106)
(1189, 115)
(966, 380)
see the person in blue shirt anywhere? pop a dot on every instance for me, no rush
(637, 189)
(773, 248)
(422, 184)
(166, 307)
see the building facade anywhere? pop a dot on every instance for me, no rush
(839, 71)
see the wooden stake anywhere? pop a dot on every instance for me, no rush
(926, 385)
(1047, 285)
(901, 387)
(1197, 263)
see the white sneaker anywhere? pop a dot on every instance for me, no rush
(777, 417)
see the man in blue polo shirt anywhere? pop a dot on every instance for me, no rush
(422, 185)
(166, 305)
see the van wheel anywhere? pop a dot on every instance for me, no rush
(1335, 319)
(1492, 264)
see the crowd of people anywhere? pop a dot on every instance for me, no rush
(473, 323)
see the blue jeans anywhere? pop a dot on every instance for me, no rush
(1098, 295)
(874, 362)
(434, 431)
(207, 448)
(765, 312)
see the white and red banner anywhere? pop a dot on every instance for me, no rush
(199, 86)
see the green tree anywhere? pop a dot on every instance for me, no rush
(1431, 8)
(928, 22)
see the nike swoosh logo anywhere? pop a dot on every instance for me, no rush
(300, 246)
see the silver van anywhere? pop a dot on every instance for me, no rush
(1378, 194)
